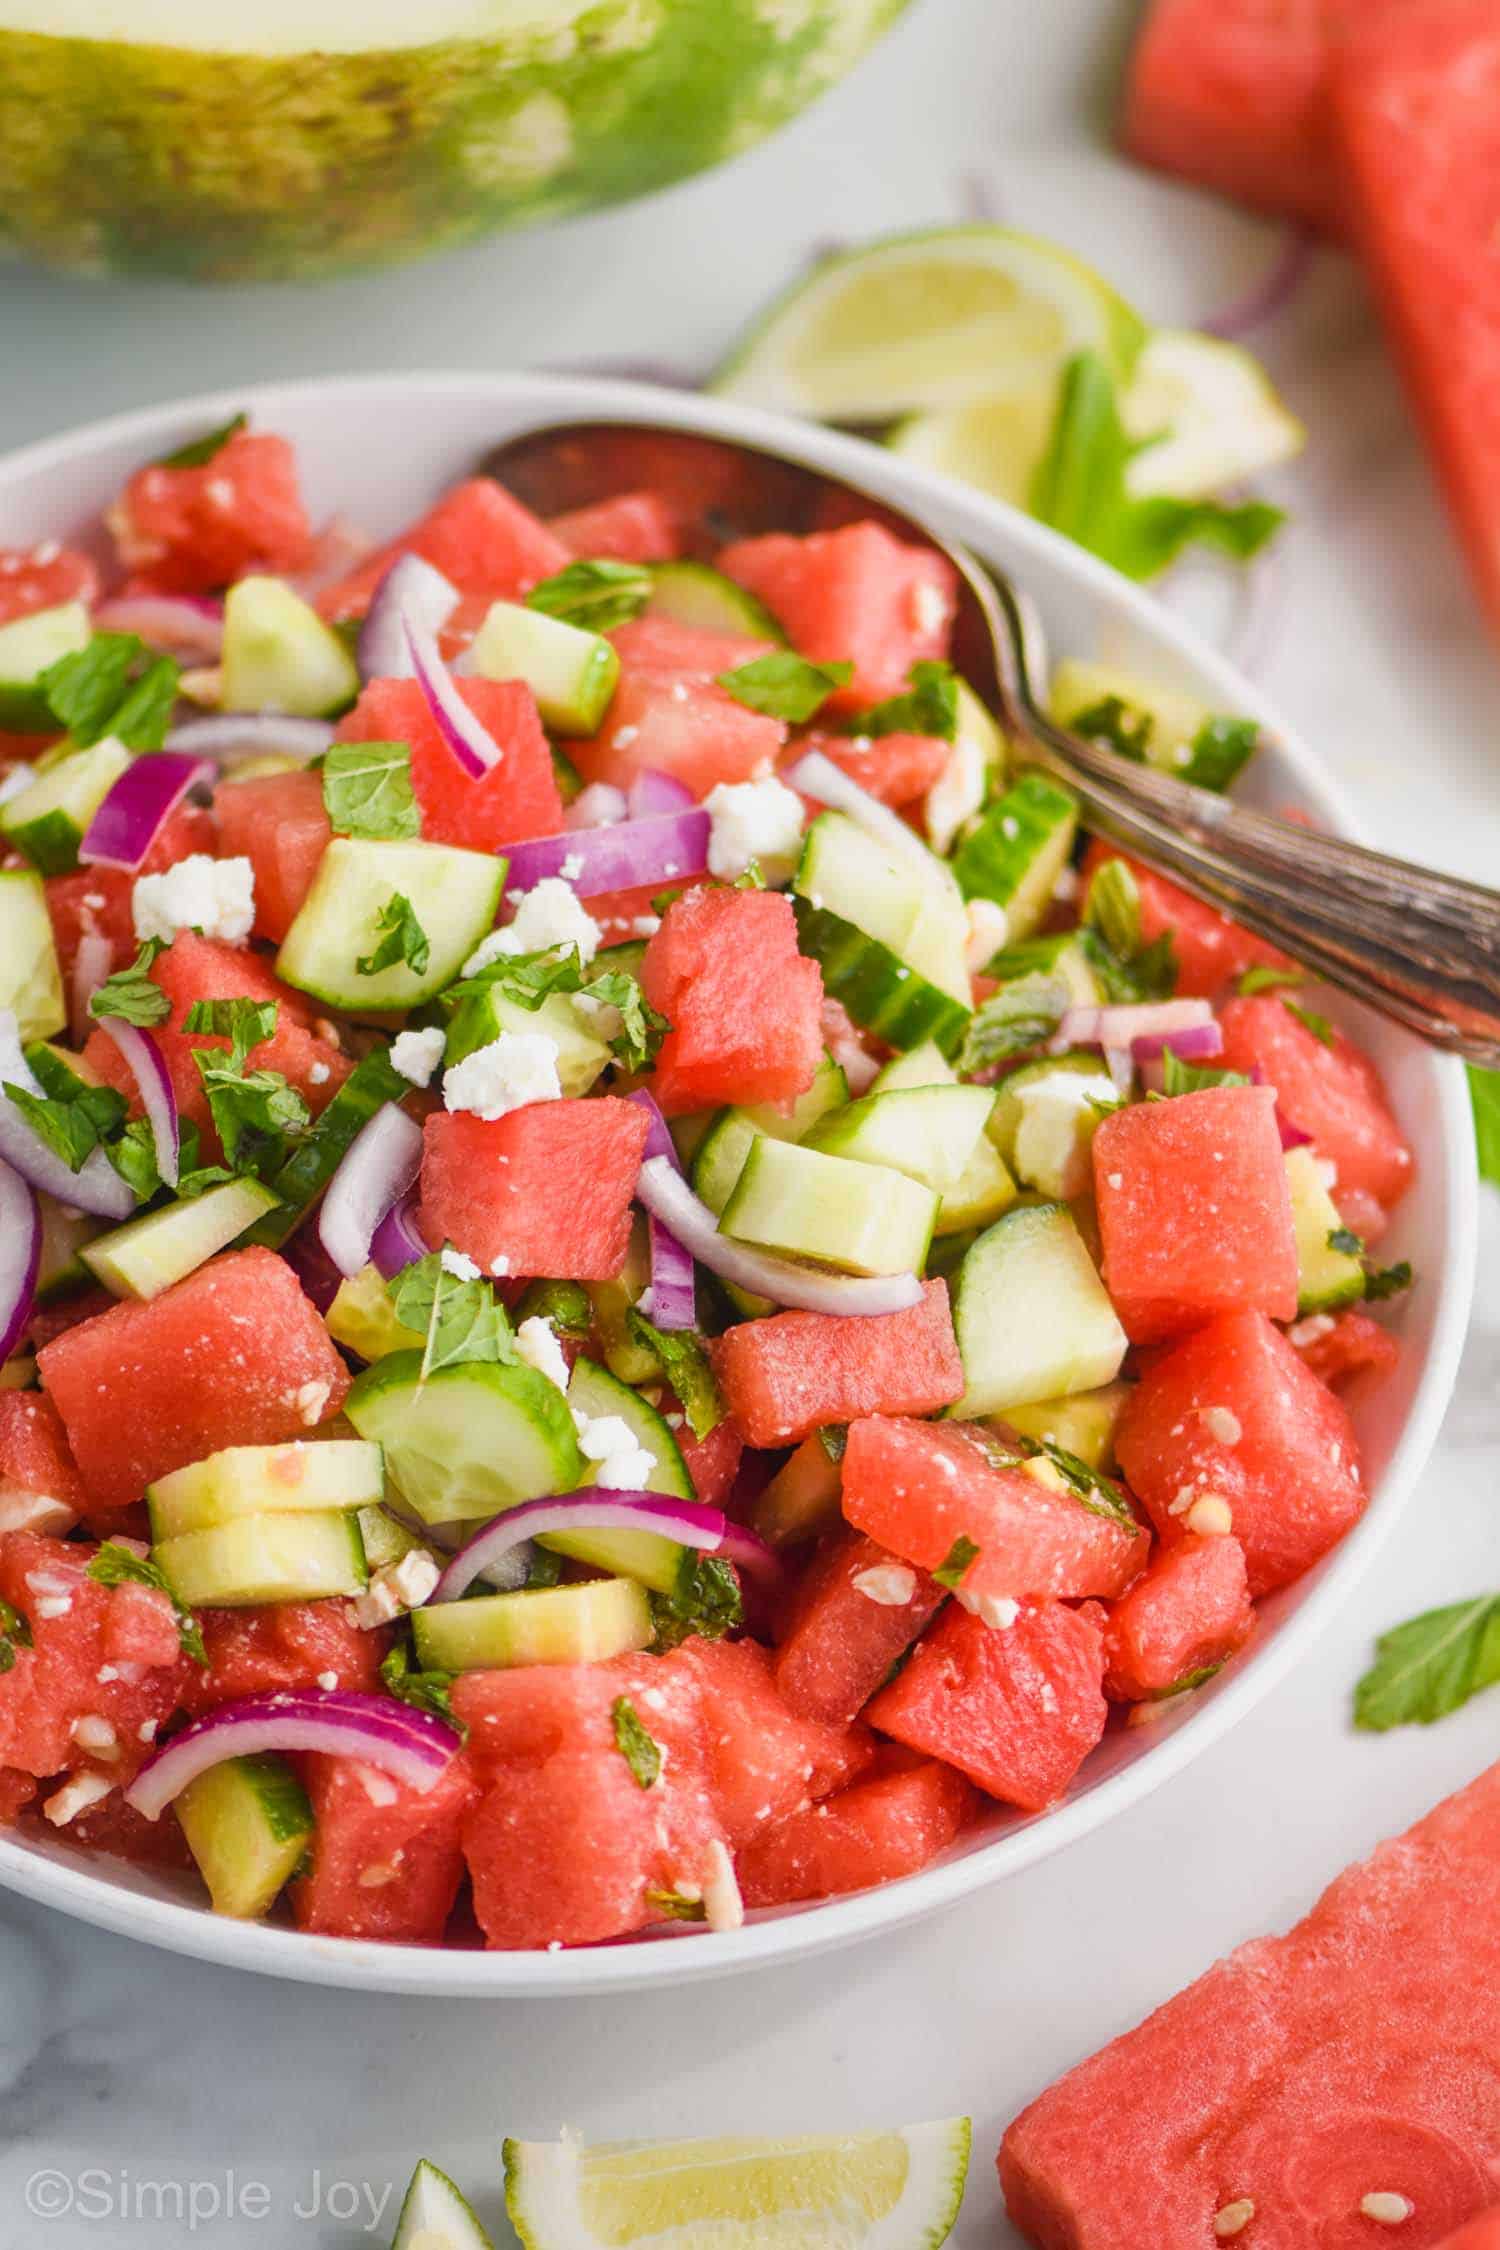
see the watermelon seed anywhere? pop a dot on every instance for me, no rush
(1233, 2219)
(1385, 2209)
(1210, 1517)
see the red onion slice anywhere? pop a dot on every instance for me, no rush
(411, 1745)
(669, 1198)
(672, 1300)
(148, 1067)
(652, 793)
(396, 1244)
(816, 776)
(1199, 1043)
(315, 1270)
(1122, 1026)
(187, 624)
(20, 1256)
(471, 743)
(382, 651)
(133, 810)
(92, 963)
(689, 1522)
(375, 1171)
(234, 735)
(669, 848)
(96, 1188)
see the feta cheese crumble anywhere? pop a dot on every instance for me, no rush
(888, 1585)
(609, 1444)
(461, 1267)
(548, 915)
(598, 806)
(956, 795)
(537, 1347)
(723, 1907)
(214, 896)
(75, 1796)
(402, 1585)
(998, 1611)
(753, 820)
(514, 1070)
(416, 1054)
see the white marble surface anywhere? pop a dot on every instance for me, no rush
(142, 2083)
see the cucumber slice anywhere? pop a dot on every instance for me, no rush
(363, 1319)
(1083, 1425)
(1017, 850)
(27, 646)
(929, 1133)
(1031, 1314)
(266, 1480)
(481, 1017)
(148, 1254)
(802, 1499)
(436, 2217)
(585, 1624)
(247, 1823)
(453, 894)
(61, 1272)
(572, 673)
(470, 1440)
(856, 1218)
(30, 978)
(925, 1065)
(641, 1555)
(937, 945)
(1052, 1117)
(981, 1192)
(46, 821)
(631, 1361)
(372, 1083)
(386, 1541)
(721, 1153)
(256, 1559)
(1327, 1276)
(847, 871)
(1068, 958)
(1175, 732)
(1005, 1117)
(280, 656)
(695, 594)
(880, 990)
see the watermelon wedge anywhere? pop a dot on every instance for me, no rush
(1482, 2233)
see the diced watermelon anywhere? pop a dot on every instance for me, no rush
(1332, 1092)
(744, 1005)
(764, 1758)
(1210, 950)
(141, 1627)
(1195, 1214)
(1482, 2233)
(638, 527)
(97, 899)
(882, 1828)
(920, 1487)
(545, 1190)
(896, 768)
(191, 531)
(517, 798)
(1339, 1346)
(1188, 1611)
(713, 1461)
(853, 596)
(1232, 1412)
(478, 536)
(795, 1372)
(387, 1859)
(284, 1645)
(695, 652)
(1353, 2056)
(118, 1831)
(17, 1790)
(1018, 1710)
(35, 578)
(671, 722)
(36, 1464)
(233, 1355)
(857, 1610)
(277, 821)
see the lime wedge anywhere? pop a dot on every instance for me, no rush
(994, 444)
(868, 2191)
(926, 321)
(1211, 414)
(436, 2217)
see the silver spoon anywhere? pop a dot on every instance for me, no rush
(1421, 948)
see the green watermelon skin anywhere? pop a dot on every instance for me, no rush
(1359, 2053)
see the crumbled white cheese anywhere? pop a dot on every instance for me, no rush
(309, 1400)
(995, 1610)
(94, 1733)
(598, 806)
(319, 1073)
(214, 896)
(1210, 1517)
(75, 1796)
(514, 1070)
(753, 820)
(989, 926)
(416, 1054)
(888, 1585)
(455, 1262)
(537, 1346)
(34, 1511)
(956, 795)
(548, 915)
(645, 925)
(500, 1266)
(1221, 1424)
(723, 1907)
(328, 1680)
(619, 1463)
(402, 1585)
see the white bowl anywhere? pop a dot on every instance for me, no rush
(381, 448)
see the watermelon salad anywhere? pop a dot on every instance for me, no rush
(636, 1286)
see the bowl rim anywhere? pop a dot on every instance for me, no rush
(364, 1965)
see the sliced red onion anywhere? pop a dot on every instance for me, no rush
(187, 624)
(1122, 1026)
(148, 1067)
(1292, 1134)
(1200, 1042)
(373, 1174)
(234, 735)
(315, 1270)
(1268, 296)
(1120, 1064)
(471, 743)
(669, 1198)
(672, 1300)
(651, 793)
(20, 1256)
(96, 1187)
(410, 585)
(816, 776)
(396, 1244)
(133, 810)
(689, 1522)
(92, 963)
(411, 1745)
(670, 848)
(750, 1553)
(600, 805)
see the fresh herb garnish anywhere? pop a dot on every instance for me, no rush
(1113, 908)
(640, 1750)
(1179, 1077)
(705, 1600)
(595, 596)
(255, 1112)
(1266, 977)
(675, 1906)
(15, 1634)
(566, 1304)
(69, 1114)
(685, 1365)
(1218, 751)
(244, 1023)
(200, 451)
(402, 940)
(1387, 1281)
(834, 1439)
(1346, 1242)
(1122, 727)
(130, 993)
(1097, 1492)
(425, 1691)
(641, 1030)
(1431, 1665)
(461, 1318)
(784, 685)
(115, 1565)
(929, 705)
(1019, 1016)
(528, 979)
(1310, 1020)
(114, 686)
(367, 789)
(950, 1571)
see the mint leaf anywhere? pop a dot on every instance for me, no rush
(705, 1600)
(461, 1318)
(784, 685)
(1218, 751)
(565, 1304)
(526, 978)
(1122, 727)
(425, 1691)
(1266, 977)
(1179, 1077)
(244, 1023)
(1346, 1242)
(951, 1570)
(1319, 1026)
(676, 1906)
(1387, 1281)
(69, 1114)
(1097, 1491)
(201, 451)
(834, 1439)
(640, 1750)
(685, 1364)
(114, 1565)
(402, 939)
(641, 1030)
(930, 705)
(114, 686)
(15, 1634)
(1019, 1016)
(593, 595)
(130, 993)
(133, 1156)
(1113, 907)
(1430, 1665)
(367, 789)
(1484, 1094)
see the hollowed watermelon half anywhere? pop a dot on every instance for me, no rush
(517, 798)
(1189, 1610)
(889, 1825)
(278, 821)
(194, 530)
(855, 596)
(546, 1190)
(477, 535)
(855, 1614)
(1330, 1089)
(796, 1372)
(744, 1005)
(1209, 949)
(387, 1859)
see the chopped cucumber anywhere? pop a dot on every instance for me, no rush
(30, 978)
(802, 1499)
(880, 990)
(695, 594)
(571, 672)
(721, 1153)
(925, 1065)
(981, 1192)
(851, 873)
(1005, 1117)
(1068, 958)
(642, 1555)
(585, 1624)
(363, 1319)
(256, 1559)
(630, 1360)
(857, 1218)
(1017, 850)
(299, 1182)
(930, 1133)
(472, 1439)
(266, 1480)
(388, 1541)
(1031, 1314)
(28, 645)
(453, 894)
(1327, 1276)
(247, 1823)
(148, 1254)
(1057, 1112)
(937, 945)
(1165, 728)
(1083, 1425)
(46, 821)
(280, 656)
(435, 2216)
(481, 1017)
(976, 723)
(61, 1271)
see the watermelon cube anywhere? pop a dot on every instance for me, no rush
(17, 1789)
(545, 1190)
(1210, 950)
(1231, 1414)
(1353, 2057)
(765, 1757)
(40, 1488)
(896, 768)
(1188, 1611)
(695, 652)
(277, 821)
(1195, 1215)
(856, 1612)
(478, 536)
(516, 799)
(191, 531)
(886, 1826)
(674, 722)
(95, 901)
(284, 1645)
(638, 527)
(387, 1859)
(921, 1487)
(795, 1372)
(712, 1462)
(1339, 1346)
(233, 1355)
(36, 578)
(1333, 1093)
(1482, 2233)
(1017, 1709)
(744, 1006)
(856, 595)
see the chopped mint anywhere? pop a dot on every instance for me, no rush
(244, 1023)
(1122, 727)
(367, 789)
(1431, 1665)
(545, 1569)
(1179, 1077)
(425, 1691)
(641, 1030)
(255, 1112)
(1019, 1016)
(1310, 1020)
(461, 1318)
(1113, 908)
(565, 1304)
(1218, 751)
(69, 1114)
(750, 878)
(834, 1439)
(1097, 1492)
(130, 993)
(685, 1364)
(402, 939)
(1266, 977)
(530, 978)
(133, 1156)
(950, 1571)
(15, 1633)
(114, 686)
(641, 1752)
(115, 1565)
(200, 451)
(784, 685)
(1387, 1281)
(705, 1600)
(929, 706)
(1346, 1242)
(595, 596)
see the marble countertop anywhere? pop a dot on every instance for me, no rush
(133, 2084)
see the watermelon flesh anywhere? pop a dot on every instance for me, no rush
(36, 578)
(387, 1859)
(1357, 2055)
(712, 1461)
(478, 535)
(744, 1005)
(490, 1186)
(675, 722)
(1340, 1346)
(1209, 949)
(858, 1610)
(896, 768)
(857, 596)
(766, 1755)
(40, 1488)
(283, 1645)
(517, 798)
(96, 900)
(796, 1372)
(277, 821)
(889, 1825)
(1482, 2233)
(1185, 1615)
(640, 527)
(1332, 1092)
(194, 530)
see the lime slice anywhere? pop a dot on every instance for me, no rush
(869, 2191)
(1211, 413)
(994, 444)
(923, 321)
(436, 2217)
